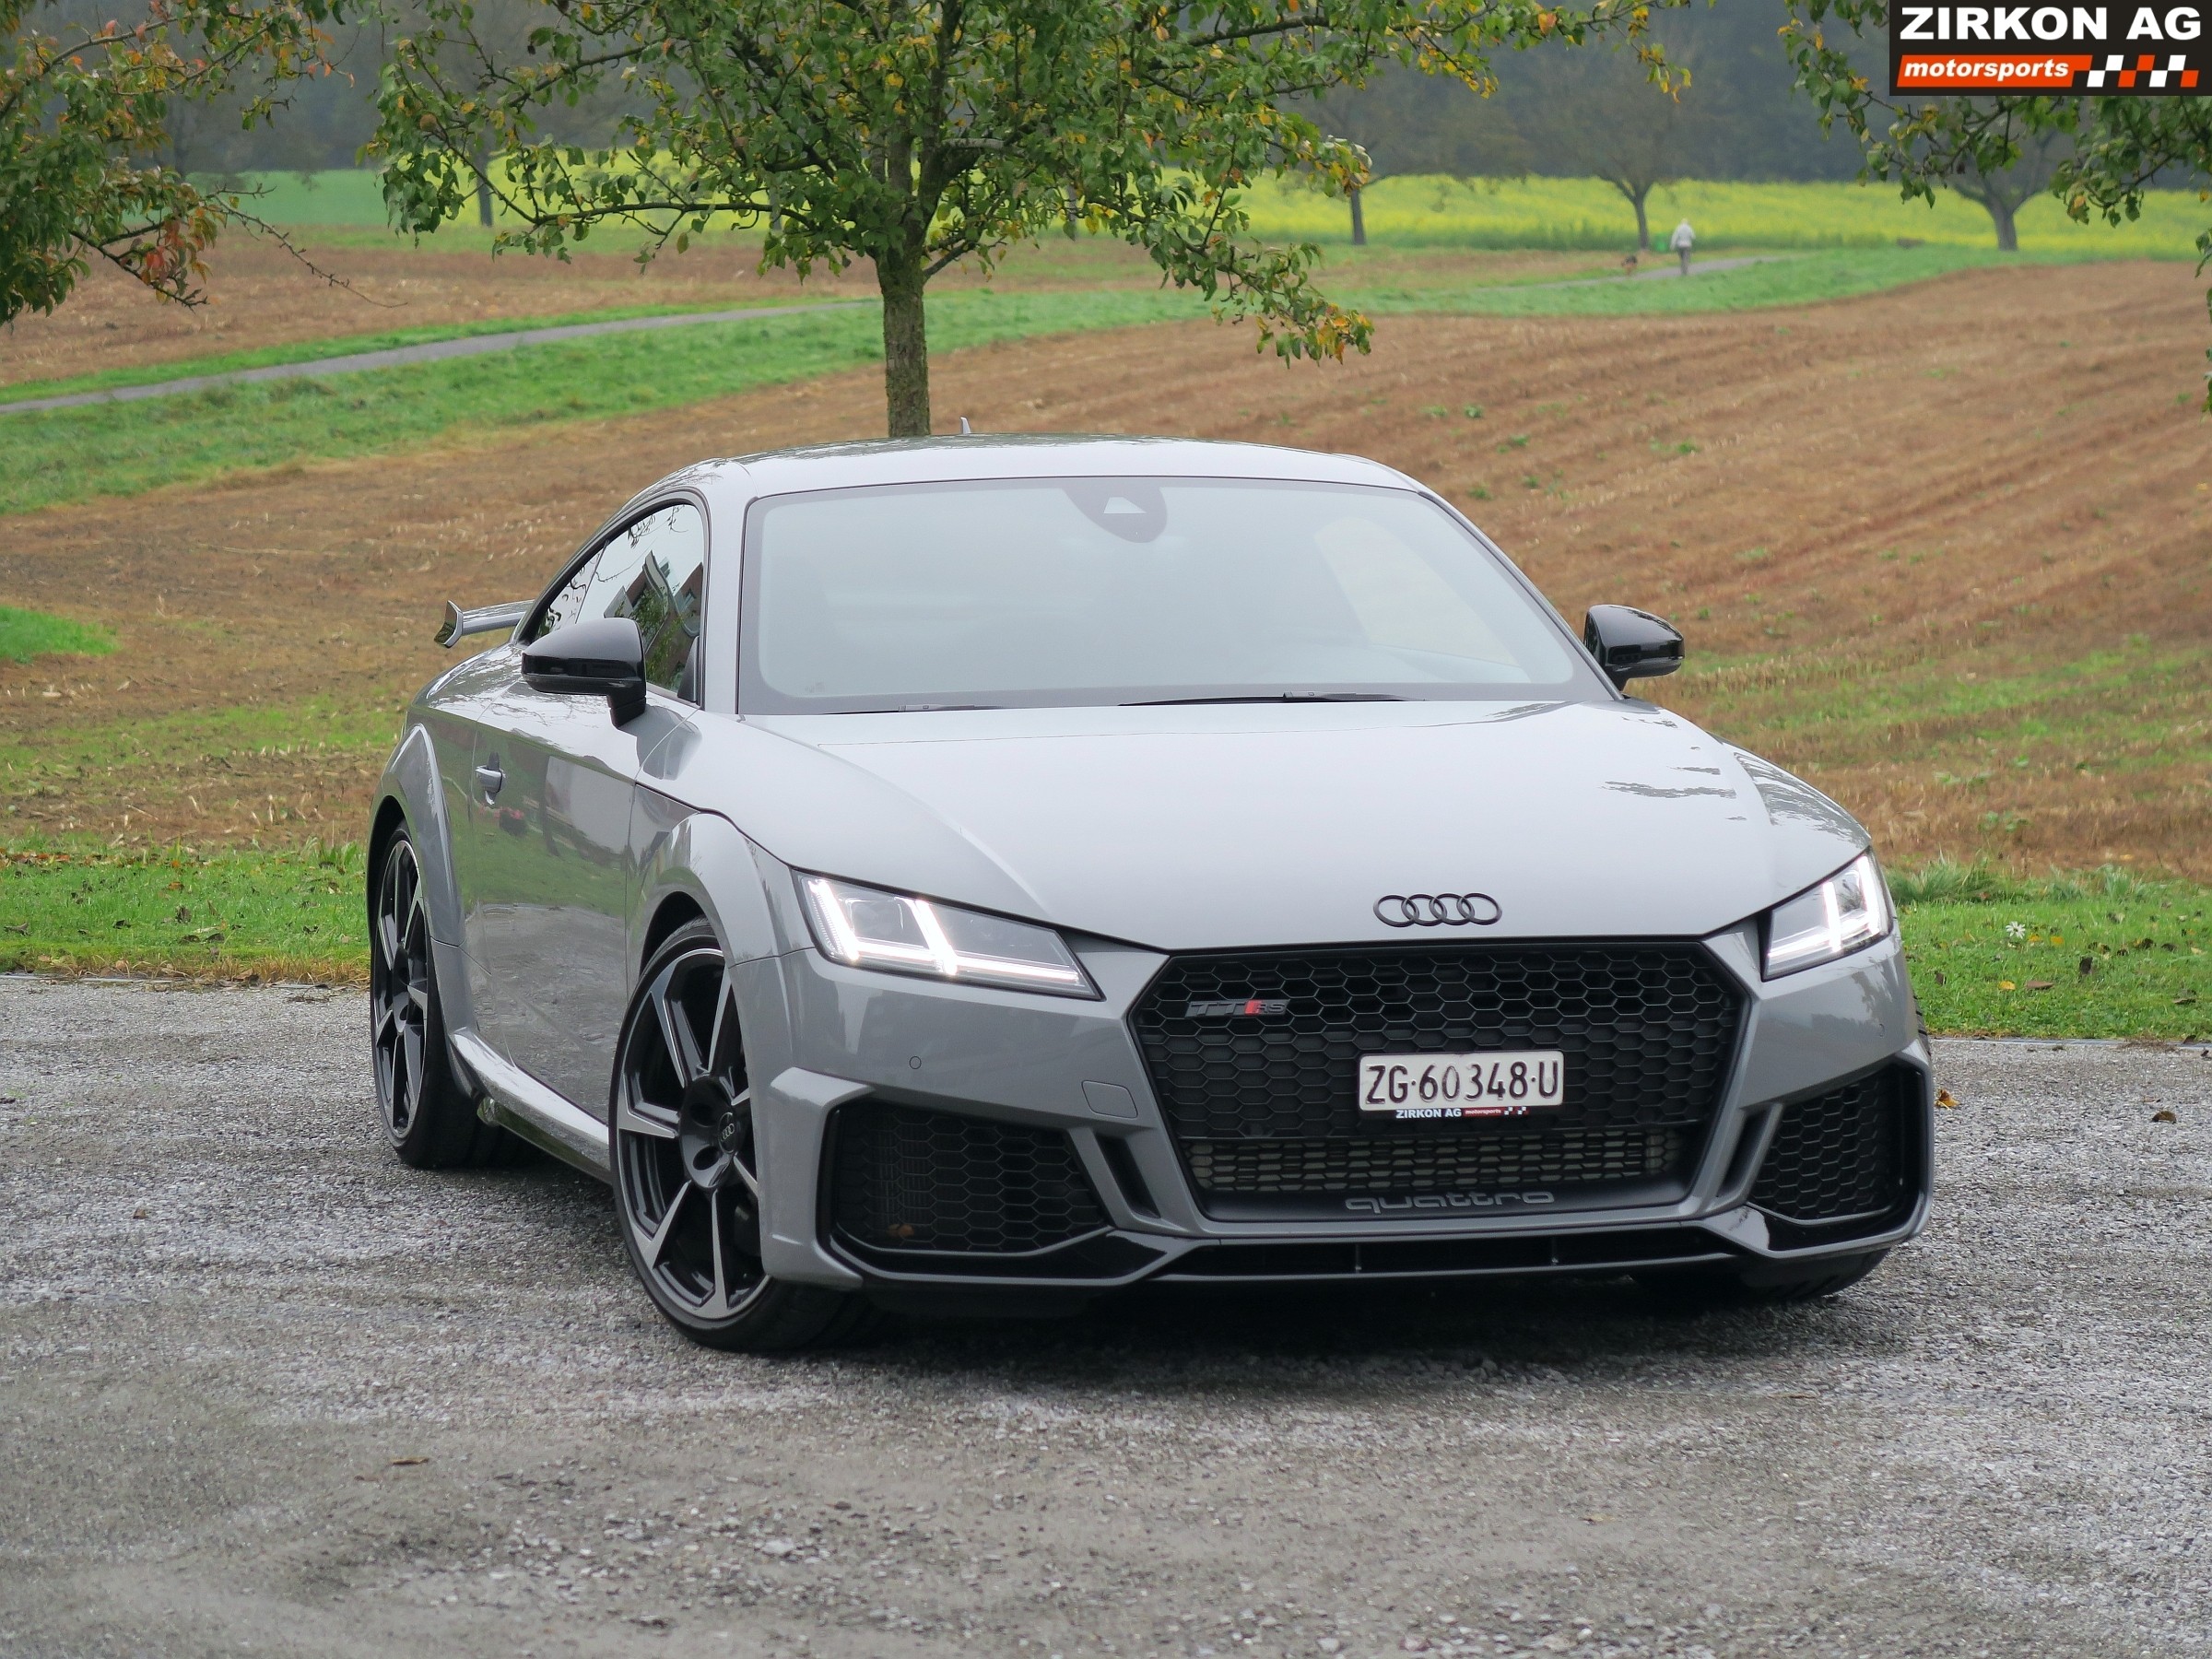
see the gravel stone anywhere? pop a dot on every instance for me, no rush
(267, 1389)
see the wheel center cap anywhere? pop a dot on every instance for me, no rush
(712, 1131)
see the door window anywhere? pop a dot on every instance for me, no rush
(653, 571)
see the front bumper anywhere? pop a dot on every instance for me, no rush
(827, 1042)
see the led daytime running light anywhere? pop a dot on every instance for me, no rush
(831, 906)
(1848, 911)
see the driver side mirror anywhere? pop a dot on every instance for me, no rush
(1630, 645)
(603, 658)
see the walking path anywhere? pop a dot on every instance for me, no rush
(433, 351)
(430, 351)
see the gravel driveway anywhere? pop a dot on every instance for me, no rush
(265, 1389)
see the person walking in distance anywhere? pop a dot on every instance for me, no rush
(1681, 243)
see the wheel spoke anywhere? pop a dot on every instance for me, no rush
(738, 1167)
(722, 1282)
(410, 1043)
(675, 1031)
(655, 1243)
(726, 1026)
(634, 1116)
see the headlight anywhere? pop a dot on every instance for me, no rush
(1848, 911)
(865, 927)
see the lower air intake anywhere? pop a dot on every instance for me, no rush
(1838, 1155)
(1395, 1165)
(906, 1180)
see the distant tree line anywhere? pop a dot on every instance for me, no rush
(1595, 114)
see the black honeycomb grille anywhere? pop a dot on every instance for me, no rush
(1648, 1031)
(1839, 1155)
(1400, 1164)
(932, 1181)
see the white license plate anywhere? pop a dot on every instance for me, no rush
(1502, 1083)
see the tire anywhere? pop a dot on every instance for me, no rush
(428, 1117)
(1697, 1288)
(686, 1172)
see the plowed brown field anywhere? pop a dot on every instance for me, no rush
(1945, 550)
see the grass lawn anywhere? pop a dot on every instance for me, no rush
(296, 915)
(310, 351)
(2107, 955)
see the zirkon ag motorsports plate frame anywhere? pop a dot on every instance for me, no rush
(2123, 49)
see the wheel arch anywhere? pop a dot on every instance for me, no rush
(675, 909)
(410, 794)
(698, 864)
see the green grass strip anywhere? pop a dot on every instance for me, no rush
(314, 351)
(25, 634)
(2106, 954)
(297, 914)
(1790, 279)
(59, 456)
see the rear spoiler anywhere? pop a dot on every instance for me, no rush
(459, 624)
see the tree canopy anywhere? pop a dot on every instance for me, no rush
(917, 133)
(84, 109)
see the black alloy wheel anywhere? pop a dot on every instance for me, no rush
(427, 1115)
(687, 1168)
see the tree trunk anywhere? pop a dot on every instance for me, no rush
(2000, 213)
(1070, 210)
(1358, 219)
(1643, 225)
(905, 346)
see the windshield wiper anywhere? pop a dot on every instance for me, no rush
(920, 709)
(1268, 696)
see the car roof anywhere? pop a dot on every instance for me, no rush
(1017, 455)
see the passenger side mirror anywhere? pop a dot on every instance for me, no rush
(603, 657)
(1630, 645)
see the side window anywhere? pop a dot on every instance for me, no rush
(653, 571)
(568, 605)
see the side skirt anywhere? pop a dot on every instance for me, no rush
(517, 1101)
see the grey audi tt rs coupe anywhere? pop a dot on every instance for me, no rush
(1006, 871)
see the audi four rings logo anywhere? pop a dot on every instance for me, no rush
(1437, 910)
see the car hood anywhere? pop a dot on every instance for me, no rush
(1279, 824)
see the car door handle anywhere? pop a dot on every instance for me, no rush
(490, 780)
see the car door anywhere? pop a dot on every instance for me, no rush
(553, 865)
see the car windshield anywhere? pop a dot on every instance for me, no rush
(1105, 590)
